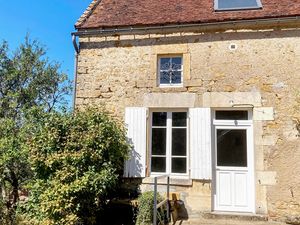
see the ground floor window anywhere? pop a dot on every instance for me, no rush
(169, 142)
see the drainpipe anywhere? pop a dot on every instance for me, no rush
(75, 67)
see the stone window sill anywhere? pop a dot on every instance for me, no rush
(173, 181)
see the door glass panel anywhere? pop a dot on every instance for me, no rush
(231, 115)
(158, 164)
(179, 119)
(179, 141)
(159, 141)
(232, 148)
(159, 119)
(178, 165)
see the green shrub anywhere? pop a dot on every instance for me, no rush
(145, 209)
(76, 159)
(2, 213)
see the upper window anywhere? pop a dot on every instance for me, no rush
(237, 4)
(169, 143)
(170, 71)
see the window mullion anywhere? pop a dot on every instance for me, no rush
(171, 69)
(169, 141)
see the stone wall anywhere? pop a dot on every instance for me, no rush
(120, 71)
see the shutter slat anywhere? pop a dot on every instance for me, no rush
(136, 122)
(200, 140)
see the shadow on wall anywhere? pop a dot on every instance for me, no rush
(297, 121)
(133, 167)
(121, 210)
(118, 213)
(201, 38)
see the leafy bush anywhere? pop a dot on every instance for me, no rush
(145, 209)
(2, 213)
(76, 160)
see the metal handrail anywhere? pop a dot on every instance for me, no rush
(165, 201)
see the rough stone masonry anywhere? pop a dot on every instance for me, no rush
(260, 66)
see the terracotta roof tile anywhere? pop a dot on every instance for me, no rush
(87, 13)
(120, 13)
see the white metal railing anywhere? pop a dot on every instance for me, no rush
(157, 205)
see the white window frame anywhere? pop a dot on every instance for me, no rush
(216, 6)
(159, 70)
(169, 144)
(247, 122)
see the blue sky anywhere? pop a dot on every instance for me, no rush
(48, 21)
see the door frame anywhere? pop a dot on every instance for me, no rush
(234, 124)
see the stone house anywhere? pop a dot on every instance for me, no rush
(210, 93)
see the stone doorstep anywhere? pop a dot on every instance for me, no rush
(225, 222)
(227, 218)
(235, 216)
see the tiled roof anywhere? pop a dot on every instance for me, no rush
(121, 13)
(87, 13)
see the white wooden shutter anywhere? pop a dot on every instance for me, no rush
(136, 122)
(200, 143)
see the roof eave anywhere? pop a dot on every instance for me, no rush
(230, 24)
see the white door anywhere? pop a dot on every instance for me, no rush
(234, 181)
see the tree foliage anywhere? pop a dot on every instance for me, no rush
(28, 79)
(29, 83)
(76, 160)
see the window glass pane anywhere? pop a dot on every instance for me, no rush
(158, 164)
(178, 165)
(164, 78)
(231, 4)
(158, 141)
(176, 77)
(176, 63)
(232, 115)
(179, 141)
(179, 119)
(232, 148)
(159, 119)
(164, 63)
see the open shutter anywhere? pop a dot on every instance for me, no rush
(200, 143)
(136, 122)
